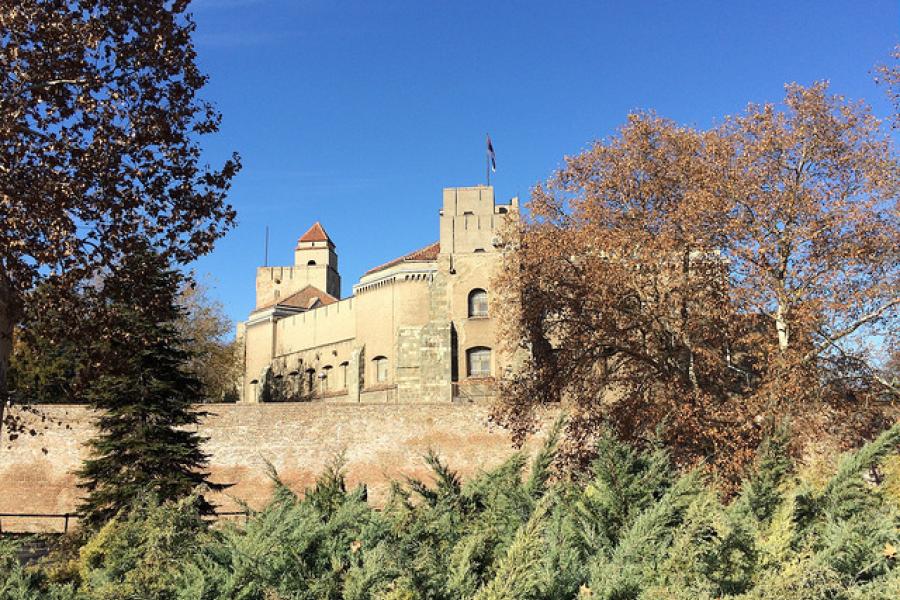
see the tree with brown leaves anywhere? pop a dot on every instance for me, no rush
(703, 285)
(216, 361)
(99, 122)
(888, 75)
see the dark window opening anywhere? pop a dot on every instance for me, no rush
(345, 369)
(310, 381)
(454, 354)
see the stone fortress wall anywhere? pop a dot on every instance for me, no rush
(380, 442)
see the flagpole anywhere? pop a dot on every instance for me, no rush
(487, 161)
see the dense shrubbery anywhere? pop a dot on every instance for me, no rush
(632, 528)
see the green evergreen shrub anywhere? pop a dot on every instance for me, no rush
(145, 553)
(634, 528)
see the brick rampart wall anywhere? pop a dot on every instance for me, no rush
(380, 442)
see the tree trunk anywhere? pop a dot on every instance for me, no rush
(781, 327)
(9, 314)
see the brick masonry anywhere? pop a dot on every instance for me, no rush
(380, 442)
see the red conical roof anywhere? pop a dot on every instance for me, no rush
(316, 233)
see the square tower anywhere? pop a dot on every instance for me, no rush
(470, 220)
(315, 253)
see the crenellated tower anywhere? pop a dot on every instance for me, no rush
(315, 265)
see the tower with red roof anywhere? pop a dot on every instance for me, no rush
(315, 252)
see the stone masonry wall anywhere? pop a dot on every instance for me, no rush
(424, 352)
(380, 442)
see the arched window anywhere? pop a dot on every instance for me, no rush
(344, 369)
(325, 376)
(381, 368)
(478, 362)
(310, 380)
(478, 303)
(294, 384)
(311, 263)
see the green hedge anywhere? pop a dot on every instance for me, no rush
(633, 528)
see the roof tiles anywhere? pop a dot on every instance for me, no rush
(308, 298)
(428, 253)
(316, 233)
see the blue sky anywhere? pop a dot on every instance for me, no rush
(357, 113)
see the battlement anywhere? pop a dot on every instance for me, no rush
(315, 328)
(470, 220)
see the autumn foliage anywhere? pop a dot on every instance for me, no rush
(703, 287)
(100, 121)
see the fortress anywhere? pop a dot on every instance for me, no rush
(395, 371)
(417, 329)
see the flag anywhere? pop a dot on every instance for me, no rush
(491, 156)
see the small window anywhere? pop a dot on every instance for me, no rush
(311, 263)
(381, 369)
(502, 210)
(478, 362)
(478, 303)
(479, 250)
(344, 369)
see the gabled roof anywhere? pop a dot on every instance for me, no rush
(308, 298)
(316, 233)
(428, 253)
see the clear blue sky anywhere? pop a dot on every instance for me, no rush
(357, 113)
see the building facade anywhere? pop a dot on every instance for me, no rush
(418, 329)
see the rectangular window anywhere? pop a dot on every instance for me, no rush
(381, 369)
(479, 362)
